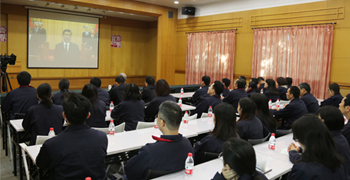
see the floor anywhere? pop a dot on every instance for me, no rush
(6, 165)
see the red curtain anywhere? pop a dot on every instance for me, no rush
(302, 53)
(211, 54)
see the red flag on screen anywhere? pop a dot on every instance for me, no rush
(30, 23)
(96, 28)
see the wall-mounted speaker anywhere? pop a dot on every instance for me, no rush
(188, 11)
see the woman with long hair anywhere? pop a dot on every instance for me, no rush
(131, 109)
(248, 125)
(40, 118)
(98, 107)
(335, 98)
(270, 90)
(263, 113)
(225, 128)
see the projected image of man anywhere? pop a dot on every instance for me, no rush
(37, 37)
(67, 51)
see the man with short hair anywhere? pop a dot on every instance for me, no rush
(196, 98)
(103, 95)
(63, 85)
(294, 110)
(344, 107)
(289, 82)
(227, 83)
(117, 92)
(212, 100)
(310, 101)
(67, 52)
(170, 150)
(149, 91)
(21, 99)
(235, 95)
(261, 83)
(78, 151)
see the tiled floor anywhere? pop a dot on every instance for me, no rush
(6, 165)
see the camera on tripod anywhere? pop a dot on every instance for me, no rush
(4, 61)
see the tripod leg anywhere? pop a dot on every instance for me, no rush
(8, 80)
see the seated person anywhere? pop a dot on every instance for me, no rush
(252, 88)
(225, 128)
(344, 107)
(261, 83)
(289, 82)
(282, 87)
(102, 94)
(170, 150)
(131, 109)
(236, 94)
(248, 125)
(227, 83)
(163, 94)
(292, 111)
(310, 101)
(201, 92)
(78, 151)
(117, 92)
(270, 90)
(149, 91)
(98, 108)
(40, 118)
(21, 99)
(320, 159)
(335, 98)
(212, 100)
(263, 113)
(57, 98)
(239, 161)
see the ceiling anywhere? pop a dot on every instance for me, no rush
(170, 3)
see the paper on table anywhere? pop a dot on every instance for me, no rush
(285, 151)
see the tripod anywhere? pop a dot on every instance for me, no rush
(5, 79)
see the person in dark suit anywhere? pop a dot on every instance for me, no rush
(163, 94)
(282, 87)
(320, 159)
(98, 108)
(261, 83)
(40, 118)
(344, 107)
(239, 161)
(117, 92)
(263, 113)
(227, 83)
(63, 85)
(270, 90)
(310, 101)
(335, 98)
(21, 99)
(103, 95)
(212, 100)
(86, 36)
(67, 52)
(170, 150)
(289, 82)
(252, 88)
(196, 97)
(42, 32)
(131, 109)
(225, 128)
(78, 151)
(292, 111)
(236, 94)
(149, 91)
(248, 125)
(37, 38)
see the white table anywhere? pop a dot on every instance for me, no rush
(184, 95)
(199, 126)
(185, 107)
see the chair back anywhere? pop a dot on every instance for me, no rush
(156, 173)
(19, 115)
(192, 117)
(142, 125)
(280, 133)
(209, 156)
(258, 141)
(41, 139)
(117, 129)
(204, 115)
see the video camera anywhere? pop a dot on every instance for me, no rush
(4, 60)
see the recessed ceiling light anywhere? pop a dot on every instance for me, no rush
(75, 7)
(89, 9)
(103, 11)
(62, 6)
(176, 2)
(47, 4)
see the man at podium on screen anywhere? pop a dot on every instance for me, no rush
(67, 52)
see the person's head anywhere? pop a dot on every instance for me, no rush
(331, 117)
(246, 108)
(205, 80)
(24, 78)
(334, 88)
(239, 156)
(36, 23)
(261, 80)
(262, 110)
(254, 80)
(44, 93)
(76, 108)
(293, 92)
(124, 75)
(314, 137)
(132, 92)
(149, 81)
(289, 81)
(119, 80)
(243, 77)
(86, 27)
(226, 82)
(96, 81)
(240, 83)
(271, 86)
(63, 84)
(252, 85)
(225, 121)
(216, 88)
(281, 81)
(67, 35)
(90, 92)
(169, 116)
(41, 24)
(304, 88)
(344, 106)
(162, 88)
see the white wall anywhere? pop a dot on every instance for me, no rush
(227, 6)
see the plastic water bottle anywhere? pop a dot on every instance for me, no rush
(111, 106)
(189, 164)
(270, 104)
(109, 87)
(51, 132)
(155, 122)
(111, 128)
(272, 142)
(278, 103)
(210, 112)
(180, 102)
(200, 87)
(186, 117)
(262, 91)
(182, 90)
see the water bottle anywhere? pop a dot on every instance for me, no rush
(109, 87)
(270, 104)
(180, 102)
(262, 91)
(88, 178)
(51, 133)
(210, 112)
(111, 128)
(189, 164)
(155, 122)
(278, 103)
(200, 87)
(186, 117)
(182, 90)
(111, 106)
(272, 142)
